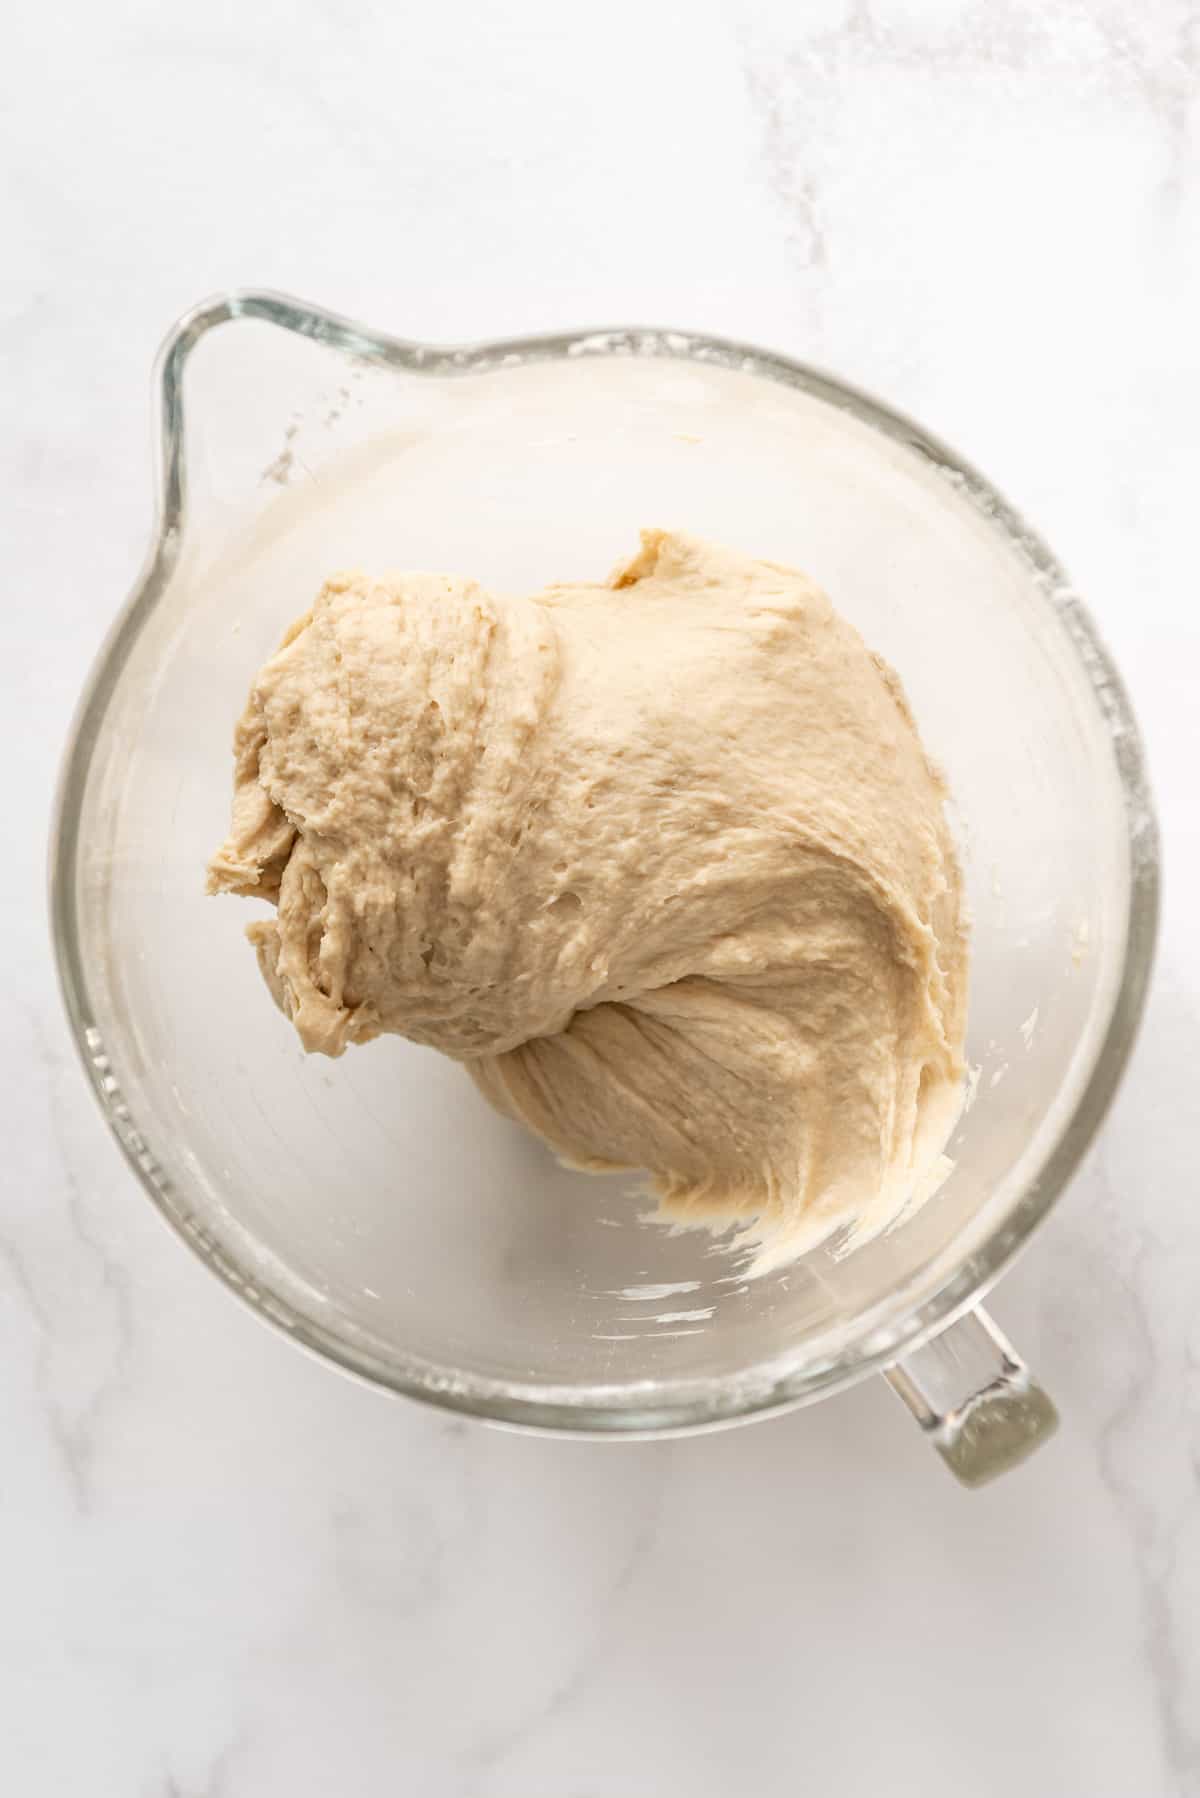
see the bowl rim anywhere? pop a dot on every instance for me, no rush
(650, 1407)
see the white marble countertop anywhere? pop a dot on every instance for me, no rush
(226, 1570)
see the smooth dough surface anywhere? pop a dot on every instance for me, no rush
(662, 860)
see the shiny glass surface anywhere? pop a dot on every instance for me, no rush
(375, 1208)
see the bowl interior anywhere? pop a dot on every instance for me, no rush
(376, 1204)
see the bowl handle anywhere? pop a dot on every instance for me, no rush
(975, 1399)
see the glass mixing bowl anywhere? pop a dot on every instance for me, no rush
(375, 1208)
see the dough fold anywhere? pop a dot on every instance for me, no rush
(662, 861)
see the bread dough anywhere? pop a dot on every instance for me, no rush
(662, 861)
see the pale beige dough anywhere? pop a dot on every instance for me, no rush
(662, 861)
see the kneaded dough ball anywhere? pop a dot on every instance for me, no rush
(662, 861)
